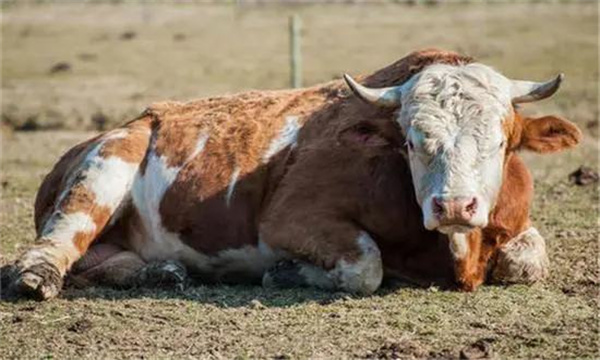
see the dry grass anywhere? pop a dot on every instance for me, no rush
(228, 50)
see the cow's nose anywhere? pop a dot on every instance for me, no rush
(458, 209)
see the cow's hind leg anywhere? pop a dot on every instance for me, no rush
(522, 260)
(92, 187)
(111, 266)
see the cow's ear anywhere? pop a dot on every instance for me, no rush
(549, 134)
(364, 134)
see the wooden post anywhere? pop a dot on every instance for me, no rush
(145, 12)
(295, 54)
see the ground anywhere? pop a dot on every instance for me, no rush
(118, 58)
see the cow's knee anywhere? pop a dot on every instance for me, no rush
(522, 260)
(364, 274)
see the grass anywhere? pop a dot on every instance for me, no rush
(225, 49)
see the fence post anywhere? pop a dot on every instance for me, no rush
(295, 54)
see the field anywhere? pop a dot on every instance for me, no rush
(71, 70)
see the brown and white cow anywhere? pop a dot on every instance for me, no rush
(418, 177)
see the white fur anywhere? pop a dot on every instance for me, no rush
(522, 259)
(287, 136)
(453, 116)
(110, 180)
(232, 183)
(364, 275)
(459, 245)
(200, 145)
(63, 227)
(147, 193)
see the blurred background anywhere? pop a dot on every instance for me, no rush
(86, 65)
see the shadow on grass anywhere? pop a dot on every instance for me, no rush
(231, 296)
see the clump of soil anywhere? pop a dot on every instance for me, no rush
(396, 350)
(60, 67)
(480, 349)
(128, 35)
(179, 37)
(87, 57)
(584, 176)
(80, 326)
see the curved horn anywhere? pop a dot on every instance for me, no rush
(529, 91)
(384, 97)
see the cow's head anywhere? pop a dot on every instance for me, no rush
(459, 123)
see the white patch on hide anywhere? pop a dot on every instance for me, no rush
(287, 136)
(63, 227)
(459, 245)
(200, 145)
(110, 180)
(147, 193)
(363, 276)
(522, 259)
(231, 186)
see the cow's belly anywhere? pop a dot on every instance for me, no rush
(214, 238)
(246, 263)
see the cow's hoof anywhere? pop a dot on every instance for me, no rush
(38, 282)
(468, 285)
(167, 274)
(523, 260)
(284, 274)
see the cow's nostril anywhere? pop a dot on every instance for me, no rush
(472, 206)
(437, 205)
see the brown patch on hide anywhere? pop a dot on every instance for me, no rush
(510, 216)
(131, 148)
(239, 131)
(81, 199)
(403, 69)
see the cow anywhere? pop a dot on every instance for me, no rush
(411, 172)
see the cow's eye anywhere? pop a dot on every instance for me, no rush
(502, 145)
(410, 145)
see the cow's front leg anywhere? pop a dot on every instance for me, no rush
(521, 260)
(351, 264)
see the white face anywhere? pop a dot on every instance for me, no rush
(452, 119)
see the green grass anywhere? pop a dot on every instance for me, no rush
(228, 50)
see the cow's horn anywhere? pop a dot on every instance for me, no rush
(384, 97)
(529, 91)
